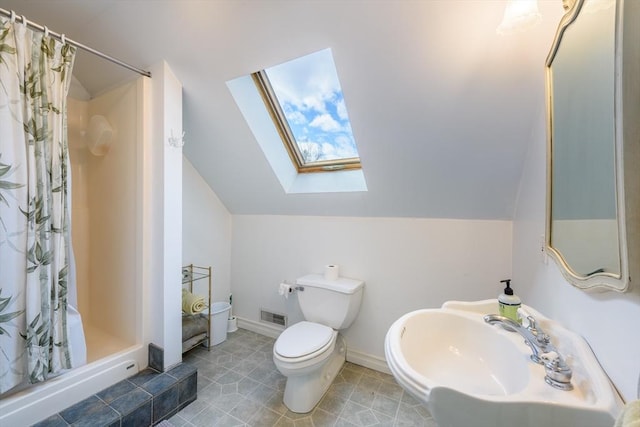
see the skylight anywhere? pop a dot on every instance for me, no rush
(305, 102)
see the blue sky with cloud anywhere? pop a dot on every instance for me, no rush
(311, 98)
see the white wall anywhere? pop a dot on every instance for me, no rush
(608, 321)
(162, 244)
(407, 264)
(206, 230)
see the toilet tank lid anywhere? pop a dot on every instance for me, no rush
(341, 284)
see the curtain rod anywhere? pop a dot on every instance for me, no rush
(61, 37)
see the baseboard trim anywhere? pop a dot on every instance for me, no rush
(260, 327)
(367, 360)
(354, 356)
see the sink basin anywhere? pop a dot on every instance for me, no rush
(470, 373)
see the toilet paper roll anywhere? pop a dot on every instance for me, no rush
(284, 289)
(331, 272)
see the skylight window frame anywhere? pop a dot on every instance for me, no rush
(279, 119)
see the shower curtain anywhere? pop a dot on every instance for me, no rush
(36, 277)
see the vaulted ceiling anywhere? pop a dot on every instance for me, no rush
(442, 108)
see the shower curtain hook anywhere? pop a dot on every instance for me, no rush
(62, 38)
(13, 16)
(24, 20)
(46, 31)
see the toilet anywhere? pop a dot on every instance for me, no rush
(310, 353)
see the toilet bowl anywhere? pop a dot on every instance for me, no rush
(310, 353)
(303, 348)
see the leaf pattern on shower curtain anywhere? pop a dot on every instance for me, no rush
(35, 243)
(6, 317)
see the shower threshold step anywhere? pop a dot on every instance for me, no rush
(144, 399)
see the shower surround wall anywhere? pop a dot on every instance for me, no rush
(104, 198)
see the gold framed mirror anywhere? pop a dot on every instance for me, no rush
(592, 182)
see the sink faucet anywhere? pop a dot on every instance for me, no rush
(533, 336)
(558, 373)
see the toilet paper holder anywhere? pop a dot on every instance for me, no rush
(285, 289)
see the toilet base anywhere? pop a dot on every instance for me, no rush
(302, 393)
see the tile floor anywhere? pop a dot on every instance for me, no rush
(238, 385)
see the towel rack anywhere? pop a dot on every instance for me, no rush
(196, 328)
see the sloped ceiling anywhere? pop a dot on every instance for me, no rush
(441, 107)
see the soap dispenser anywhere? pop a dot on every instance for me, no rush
(508, 303)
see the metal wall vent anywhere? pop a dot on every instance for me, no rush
(275, 318)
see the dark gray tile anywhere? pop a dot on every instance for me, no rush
(156, 357)
(83, 408)
(144, 376)
(129, 402)
(141, 416)
(53, 421)
(170, 414)
(187, 389)
(165, 403)
(102, 416)
(183, 405)
(117, 390)
(182, 371)
(159, 384)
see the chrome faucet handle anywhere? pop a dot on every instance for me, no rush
(558, 373)
(529, 322)
(543, 339)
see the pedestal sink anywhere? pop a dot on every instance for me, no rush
(470, 373)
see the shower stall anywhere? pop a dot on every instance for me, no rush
(103, 149)
(106, 139)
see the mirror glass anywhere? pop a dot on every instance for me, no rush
(583, 231)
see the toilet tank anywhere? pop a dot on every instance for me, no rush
(334, 303)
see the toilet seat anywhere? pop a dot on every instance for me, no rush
(303, 341)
